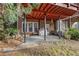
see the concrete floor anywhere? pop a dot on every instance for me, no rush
(32, 41)
(36, 39)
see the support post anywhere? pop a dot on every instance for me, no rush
(45, 28)
(59, 32)
(70, 22)
(38, 25)
(59, 29)
(24, 21)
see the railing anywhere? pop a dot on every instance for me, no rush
(61, 4)
(73, 7)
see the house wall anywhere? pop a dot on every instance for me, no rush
(40, 24)
(62, 25)
(53, 25)
(48, 22)
(74, 20)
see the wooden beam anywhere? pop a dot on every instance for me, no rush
(43, 6)
(48, 6)
(47, 13)
(54, 9)
(58, 10)
(38, 14)
(61, 11)
(32, 17)
(40, 6)
(35, 14)
(50, 9)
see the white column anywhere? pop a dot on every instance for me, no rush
(33, 26)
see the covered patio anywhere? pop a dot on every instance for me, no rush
(47, 19)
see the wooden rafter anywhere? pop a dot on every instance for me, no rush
(49, 6)
(50, 9)
(43, 6)
(54, 11)
(59, 9)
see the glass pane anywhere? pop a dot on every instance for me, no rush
(23, 27)
(30, 27)
(35, 27)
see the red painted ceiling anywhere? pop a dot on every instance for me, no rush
(52, 11)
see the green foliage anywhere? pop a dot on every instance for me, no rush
(27, 10)
(9, 17)
(2, 34)
(34, 5)
(73, 33)
(11, 31)
(10, 13)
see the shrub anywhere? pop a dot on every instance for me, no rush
(11, 31)
(73, 33)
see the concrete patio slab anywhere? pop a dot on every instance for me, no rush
(36, 39)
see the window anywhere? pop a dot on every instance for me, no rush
(35, 27)
(23, 27)
(30, 26)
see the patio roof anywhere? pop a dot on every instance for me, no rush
(52, 11)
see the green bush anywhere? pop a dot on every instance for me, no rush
(73, 33)
(11, 31)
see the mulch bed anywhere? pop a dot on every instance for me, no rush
(9, 44)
